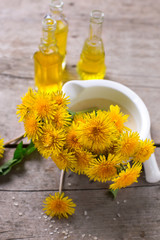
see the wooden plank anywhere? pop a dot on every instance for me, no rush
(134, 215)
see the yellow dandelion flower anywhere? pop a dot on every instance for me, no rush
(144, 151)
(117, 117)
(61, 117)
(44, 106)
(102, 169)
(98, 132)
(128, 144)
(79, 117)
(71, 137)
(1, 148)
(26, 106)
(60, 99)
(65, 160)
(32, 126)
(59, 206)
(83, 158)
(127, 177)
(51, 141)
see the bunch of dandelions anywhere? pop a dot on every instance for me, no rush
(95, 143)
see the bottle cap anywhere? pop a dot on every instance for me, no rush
(49, 23)
(56, 5)
(96, 16)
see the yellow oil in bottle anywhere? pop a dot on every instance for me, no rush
(48, 71)
(61, 34)
(92, 62)
(48, 61)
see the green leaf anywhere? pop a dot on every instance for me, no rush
(114, 193)
(31, 148)
(18, 153)
(18, 156)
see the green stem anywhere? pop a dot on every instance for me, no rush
(14, 140)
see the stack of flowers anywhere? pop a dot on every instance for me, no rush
(95, 143)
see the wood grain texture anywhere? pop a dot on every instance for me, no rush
(131, 39)
(134, 215)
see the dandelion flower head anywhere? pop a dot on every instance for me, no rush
(98, 132)
(103, 169)
(32, 126)
(44, 106)
(61, 117)
(79, 117)
(65, 160)
(51, 141)
(26, 106)
(117, 117)
(83, 158)
(60, 99)
(127, 177)
(71, 137)
(59, 206)
(145, 150)
(128, 144)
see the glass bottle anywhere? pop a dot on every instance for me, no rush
(48, 61)
(61, 33)
(92, 59)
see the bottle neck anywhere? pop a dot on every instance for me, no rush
(56, 8)
(48, 40)
(96, 20)
(95, 31)
(48, 37)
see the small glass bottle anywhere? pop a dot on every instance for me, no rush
(61, 33)
(48, 61)
(92, 60)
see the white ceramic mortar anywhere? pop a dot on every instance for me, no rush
(79, 91)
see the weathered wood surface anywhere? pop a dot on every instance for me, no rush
(135, 215)
(131, 39)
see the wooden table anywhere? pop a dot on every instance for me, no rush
(131, 36)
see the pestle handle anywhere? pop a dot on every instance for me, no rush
(152, 172)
